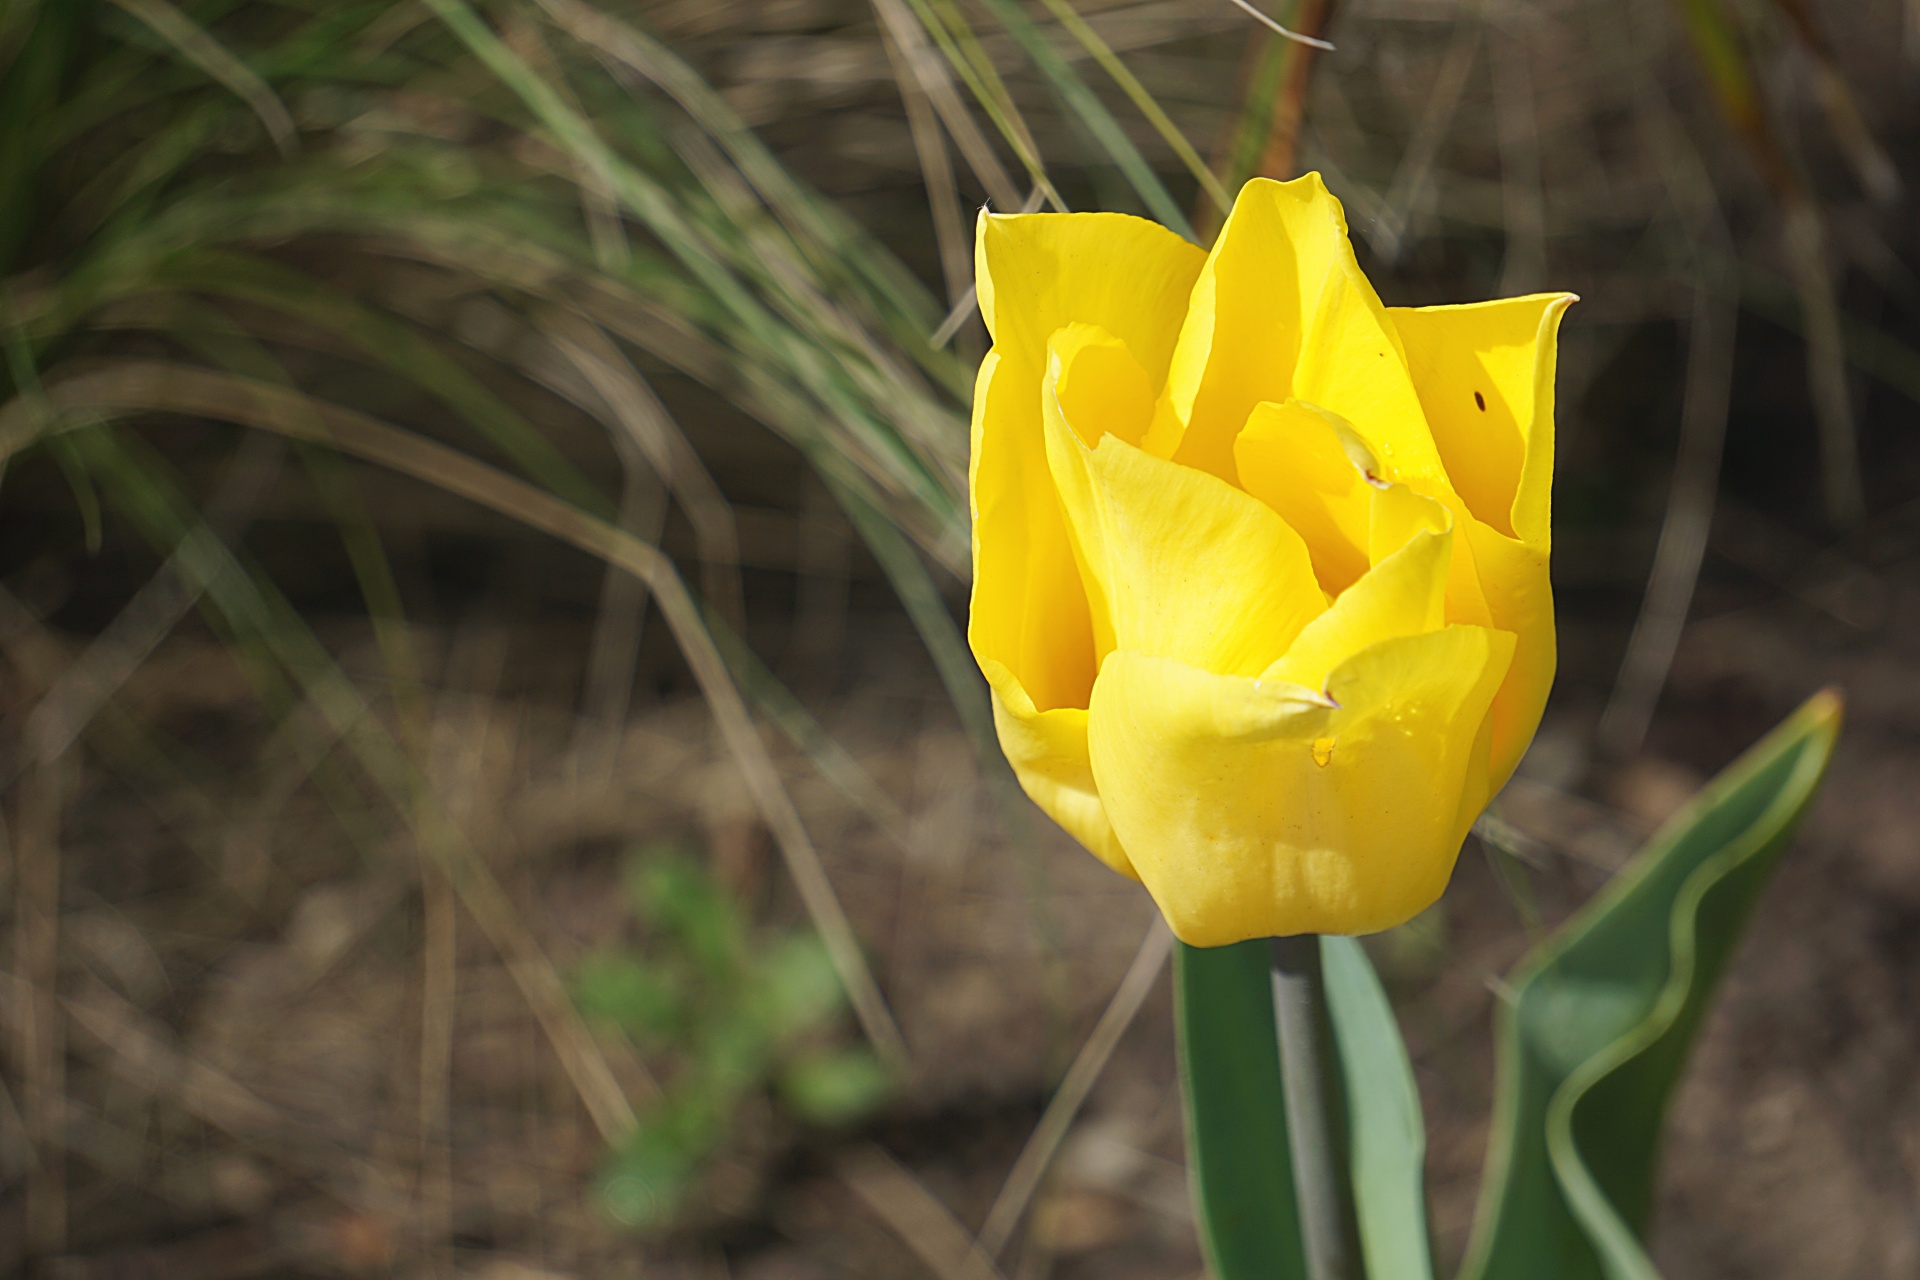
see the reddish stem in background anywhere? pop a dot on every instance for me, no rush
(1279, 156)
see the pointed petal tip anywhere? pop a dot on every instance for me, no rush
(1288, 693)
(1830, 704)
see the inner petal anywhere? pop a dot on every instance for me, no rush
(1102, 389)
(1280, 310)
(1292, 457)
(1403, 595)
(1177, 563)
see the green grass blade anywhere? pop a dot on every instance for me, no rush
(1092, 113)
(1239, 1163)
(405, 351)
(1136, 92)
(809, 356)
(956, 42)
(1602, 1016)
(194, 44)
(798, 726)
(915, 587)
(30, 92)
(834, 244)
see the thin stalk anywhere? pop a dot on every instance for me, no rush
(1280, 157)
(1310, 1081)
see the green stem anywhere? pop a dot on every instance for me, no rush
(1310, 1081)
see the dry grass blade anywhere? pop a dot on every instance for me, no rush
(39, 1030)
(63, 713)
(1517, 123)
(1267, 22)
(1693, 491)
(1683, 535)
(1136, 92)
(205, 558)
(455, 751)
(1870, 162)
(145, 1056)
(824, 235)
(1407, 196)
(137, 387)
(220, 64)
(614, 652)
(545, 993)
(970, 300)
(32, 1012)
(439, 976)
(633, 408)
(1031, 1166)
(963, 310)
(916, 1215)
(1803, 244)
(936, 171)
(1803, 237)
(931, 73)
(950, 29)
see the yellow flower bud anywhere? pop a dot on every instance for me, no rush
(1260, 565)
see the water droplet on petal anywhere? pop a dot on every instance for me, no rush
(1322, 751)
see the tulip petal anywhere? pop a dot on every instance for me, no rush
(1520, 600)
(1048, 752)
(1249, 812)
(1485, 378)
(1037, 274)
(1404, 595)
(1501, 355)
(1282, 310)
(1400, 513)
(1178, 563)
(1029, 611)
(1101, 388)
(1321, 476)
(1292, 457)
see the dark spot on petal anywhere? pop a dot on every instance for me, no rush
(1480, 402)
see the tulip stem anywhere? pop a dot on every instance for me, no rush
(1310, 1078)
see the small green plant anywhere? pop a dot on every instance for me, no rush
(730, 1014)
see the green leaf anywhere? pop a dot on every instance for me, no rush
(835, 1087)
(1386, 1136)
(679, 895)
(1239, 1162)
(800, 989)
(644, 1000)
(652, 1172)
(1602, 1015)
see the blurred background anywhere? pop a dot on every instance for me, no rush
(495, 785)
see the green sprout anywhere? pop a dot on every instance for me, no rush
(733, 1014)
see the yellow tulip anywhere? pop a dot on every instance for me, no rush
(1260, 565)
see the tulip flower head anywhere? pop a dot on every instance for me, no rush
(1260, 565)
